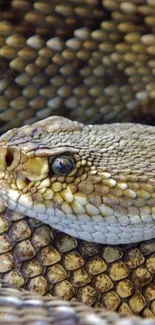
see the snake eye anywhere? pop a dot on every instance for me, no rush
(62, 165)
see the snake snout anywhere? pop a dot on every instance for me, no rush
(9, 158)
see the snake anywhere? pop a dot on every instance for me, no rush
(93, 182)
(83, 62)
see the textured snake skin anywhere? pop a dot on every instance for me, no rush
(88, 60)
(25, 308)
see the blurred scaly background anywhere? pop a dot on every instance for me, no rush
(89, 60)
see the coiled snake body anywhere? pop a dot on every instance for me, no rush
(92, 62)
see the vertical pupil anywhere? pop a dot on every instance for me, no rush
(60, 165)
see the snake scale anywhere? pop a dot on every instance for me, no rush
(91, 61)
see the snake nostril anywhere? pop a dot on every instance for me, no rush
(9, 158)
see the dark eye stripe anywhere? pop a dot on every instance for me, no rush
(62, 165)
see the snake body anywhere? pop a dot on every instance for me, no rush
(91, 62)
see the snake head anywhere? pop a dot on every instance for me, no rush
(93, 182)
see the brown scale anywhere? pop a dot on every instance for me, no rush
(42, 260)
(81, 59)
